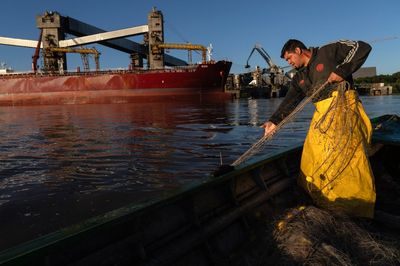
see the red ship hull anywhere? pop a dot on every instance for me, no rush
(203, 80)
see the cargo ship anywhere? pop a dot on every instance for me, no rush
(117, 86)
(164, 77)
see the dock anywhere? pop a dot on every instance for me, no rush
(256, 85)
(374, 89)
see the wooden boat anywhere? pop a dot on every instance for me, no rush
(208, 223)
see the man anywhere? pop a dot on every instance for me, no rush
(335, 170)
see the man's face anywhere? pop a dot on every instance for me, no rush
(294, 58)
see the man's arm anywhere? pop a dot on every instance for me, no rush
(334, 78)
(351, 56)
(293, 97)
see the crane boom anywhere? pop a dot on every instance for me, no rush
(83, 51)
(182, 46)
(35, 57)
(272, 76)
(264, 55)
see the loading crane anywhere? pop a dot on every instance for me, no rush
(273, 76)
(182, 46)
(273, 68)
(82, 51)
(35, 56)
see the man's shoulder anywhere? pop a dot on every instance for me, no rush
(339, 43)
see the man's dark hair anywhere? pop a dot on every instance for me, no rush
(291, 45)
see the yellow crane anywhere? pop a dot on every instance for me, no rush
(82, 51)
(182, 46)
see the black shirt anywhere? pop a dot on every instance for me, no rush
(341, 57)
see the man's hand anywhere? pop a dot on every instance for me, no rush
(269, 128)
(334, 78)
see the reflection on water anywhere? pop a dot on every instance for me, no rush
(60, 164)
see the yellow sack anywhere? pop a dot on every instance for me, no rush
(335, 170)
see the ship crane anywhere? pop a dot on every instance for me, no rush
(182, 46)
(84, 52)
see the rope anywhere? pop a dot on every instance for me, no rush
(256, 147)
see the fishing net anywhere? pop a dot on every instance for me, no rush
(336, 127)
(260, 144)
(321, 91)
(335, 167)
(312, 236)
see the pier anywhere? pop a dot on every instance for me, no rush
(374, 89)
(257, 84)
(269, 82)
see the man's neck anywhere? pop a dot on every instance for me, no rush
(306, 54)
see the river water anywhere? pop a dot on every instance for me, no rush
(62, 164)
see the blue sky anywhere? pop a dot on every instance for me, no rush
(232, 27)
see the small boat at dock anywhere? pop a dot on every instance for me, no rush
(212, 222)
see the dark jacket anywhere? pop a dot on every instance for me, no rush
(341, 57)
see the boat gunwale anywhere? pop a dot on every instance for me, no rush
(101, 222)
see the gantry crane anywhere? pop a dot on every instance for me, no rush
(84, 52)
(182, 46)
